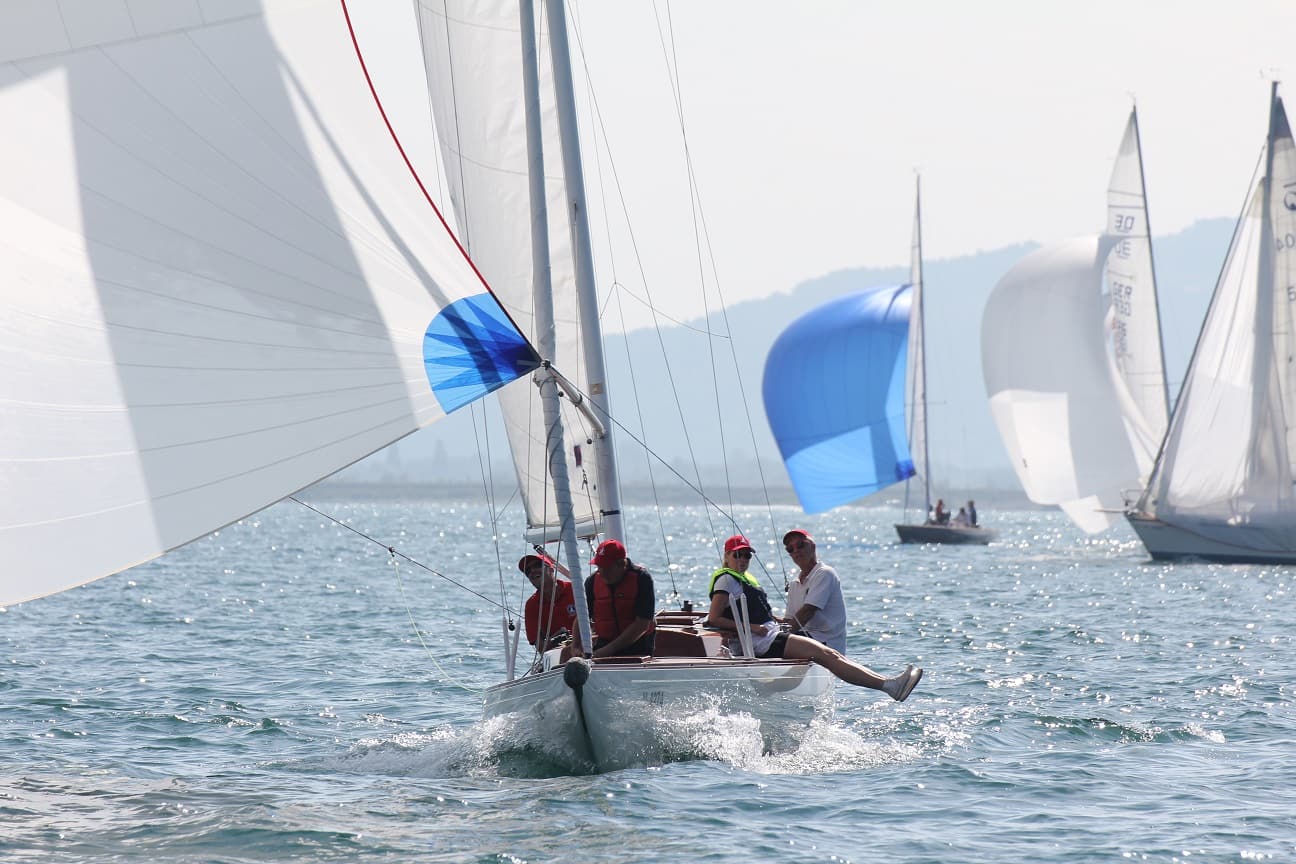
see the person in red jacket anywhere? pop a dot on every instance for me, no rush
(552, 608)
(621, 603)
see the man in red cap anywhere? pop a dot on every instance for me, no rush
(815, 604)
(621, 602)
(552, 608)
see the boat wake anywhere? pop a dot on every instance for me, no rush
(506, 747)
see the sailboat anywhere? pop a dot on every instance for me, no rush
(226, 279)
(837, 383)
(1073, 363)
(484, 65)
(1222, 486)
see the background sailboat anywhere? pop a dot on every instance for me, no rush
(1222, 486)
(1075, 373)
(845, 396)
(926, 531)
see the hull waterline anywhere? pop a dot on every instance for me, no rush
(945, 534)
(1167, 542)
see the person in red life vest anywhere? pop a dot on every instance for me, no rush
(769, 640)
(551, 610)
(621, 602)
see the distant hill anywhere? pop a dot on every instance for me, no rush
(965, 448)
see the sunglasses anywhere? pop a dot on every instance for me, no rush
(742, 553)
(534, 574)
(797, 546)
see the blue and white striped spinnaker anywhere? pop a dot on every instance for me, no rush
(834, 391)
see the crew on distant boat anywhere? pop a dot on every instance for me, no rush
(942, 515)
(621, 603)
(551, 611)
(768, 639)
(961, 520)
(971, 512)
(815, 604)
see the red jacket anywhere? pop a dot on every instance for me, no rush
(561, 606)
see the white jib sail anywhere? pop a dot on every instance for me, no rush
(474, 59)
(218, 274)
(1048, 376)
(1228, 458)
(1134, 324)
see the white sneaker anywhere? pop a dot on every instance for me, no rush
(899, 687)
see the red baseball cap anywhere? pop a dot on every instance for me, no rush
(528, 558)
(737, 542)
(795, 532)
(608, 551)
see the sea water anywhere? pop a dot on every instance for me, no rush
(287, 690)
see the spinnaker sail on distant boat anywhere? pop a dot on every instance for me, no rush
(1072, 359)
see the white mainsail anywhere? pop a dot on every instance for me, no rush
(221, 282)
(473, 49)
(1074, 373)
(1226, 469)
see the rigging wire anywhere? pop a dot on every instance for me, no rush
(672, 74)
(597, 118)
(419, 633)
(715, 278)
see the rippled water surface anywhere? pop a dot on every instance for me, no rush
(262, 695)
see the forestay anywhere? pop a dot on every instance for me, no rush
(222, 282)
(473, 53)
(834, 392)
(1227, 462)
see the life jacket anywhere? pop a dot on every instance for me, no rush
(614, 605)
(758, 606)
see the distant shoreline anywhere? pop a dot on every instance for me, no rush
(639, 495)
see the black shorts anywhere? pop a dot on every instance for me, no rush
(777, 647)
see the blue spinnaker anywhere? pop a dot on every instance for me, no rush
(834, 394)
(471, 349)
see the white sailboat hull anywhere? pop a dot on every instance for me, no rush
(636, 713)
(946, 534)
(1167, 542)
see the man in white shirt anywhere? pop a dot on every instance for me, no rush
(815, 605)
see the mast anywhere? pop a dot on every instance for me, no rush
(1262, 358)
(587, 292)
(1156, 299)
(916, 267)
(542, 295)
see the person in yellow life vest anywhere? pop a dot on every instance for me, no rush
(769, 640)
(621, 603)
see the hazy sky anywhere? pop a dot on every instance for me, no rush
(807, 120)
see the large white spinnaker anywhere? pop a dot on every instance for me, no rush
(221, 282)
(1048, 376)
(1133, 318)
(1226, 469)
(473, 54)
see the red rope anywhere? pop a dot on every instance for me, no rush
(408, 164)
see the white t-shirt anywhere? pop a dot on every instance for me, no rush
(821, 589)
(760, 643)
